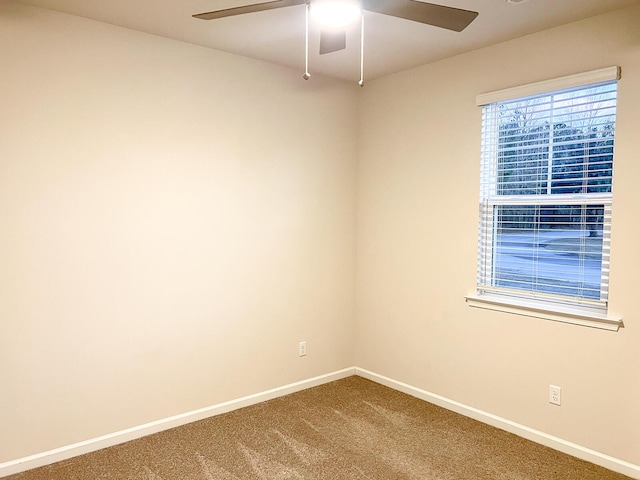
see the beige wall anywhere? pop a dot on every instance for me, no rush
(417, 228)
(173, 221)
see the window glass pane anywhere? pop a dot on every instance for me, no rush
(523, 147)
(582, 163)
(560, 143)
(552, 249)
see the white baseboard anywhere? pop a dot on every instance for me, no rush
(91, 445)
(537, 436)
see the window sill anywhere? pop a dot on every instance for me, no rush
(544, 311)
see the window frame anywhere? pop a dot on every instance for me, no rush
(528, 303)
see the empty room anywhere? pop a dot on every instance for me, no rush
(246, 245)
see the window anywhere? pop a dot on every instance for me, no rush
(545, 198)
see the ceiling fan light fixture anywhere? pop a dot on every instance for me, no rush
(335, 14)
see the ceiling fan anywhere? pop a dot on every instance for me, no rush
(333, 38)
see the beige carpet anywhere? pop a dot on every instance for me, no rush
(349, 429)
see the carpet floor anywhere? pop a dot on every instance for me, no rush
(349, 429)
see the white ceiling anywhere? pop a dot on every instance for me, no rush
(277, 36)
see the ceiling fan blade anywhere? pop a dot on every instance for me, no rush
(332, 41)
(257, 7)
(441, 16)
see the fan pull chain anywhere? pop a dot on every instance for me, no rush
(361, 82)
(306, 75)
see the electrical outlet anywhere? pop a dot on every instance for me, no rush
(555, 395)
(302, 349)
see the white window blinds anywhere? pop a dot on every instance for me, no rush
(546, 183)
